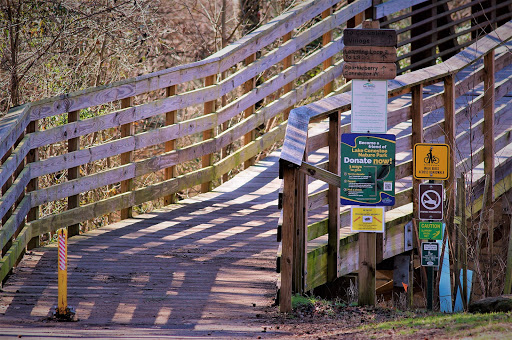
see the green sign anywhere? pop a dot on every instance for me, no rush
(367, 169)
(430, 230)
(430, 254)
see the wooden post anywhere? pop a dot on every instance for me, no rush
(287, 62)
(449, 130)
(289, 195)
(73, 173)
(127, 157)
(333, 198)
(33, 156)
(367, 266)
(507, 289)
(207, 160)
(489, 152)
(326, 39)
(490, 250)
(170, 119)
(400, 277)
(489, 149)
(248, 87)
(300, 234)
(461, 194)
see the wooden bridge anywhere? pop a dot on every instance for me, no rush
(206, 264)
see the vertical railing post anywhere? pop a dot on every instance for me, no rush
(170, 118)
(248, 87)
(300, 234)
(326, 39)
(489, 149)
(127, 157)
(449, 130)
(207, 160)
(33, 156)
(289, 200)
(73, 173)
(287, 62)
(333, 198)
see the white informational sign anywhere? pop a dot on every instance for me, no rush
(369, 106)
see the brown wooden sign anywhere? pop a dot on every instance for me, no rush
(369, 54)
(369, 37)
(369, 70)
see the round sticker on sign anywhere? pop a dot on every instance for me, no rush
(367, 219)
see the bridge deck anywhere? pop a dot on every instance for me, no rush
(204, 265)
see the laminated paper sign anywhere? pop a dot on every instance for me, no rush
(367, 169)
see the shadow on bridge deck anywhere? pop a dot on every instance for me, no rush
(205, 266)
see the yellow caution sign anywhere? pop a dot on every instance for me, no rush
(367, 219)
(431, 161)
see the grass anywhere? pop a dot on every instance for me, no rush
(475, 326)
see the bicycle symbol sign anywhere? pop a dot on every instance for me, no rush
(431, 161)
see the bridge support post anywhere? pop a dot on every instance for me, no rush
(289, 200)
(333, 198)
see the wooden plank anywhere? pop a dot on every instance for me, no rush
(333, 197)
(369, 54)
(285, 296)
(73, 173)
(171, 118)
(127, 157)
(369, 70)
(369, 37)
(321, 174)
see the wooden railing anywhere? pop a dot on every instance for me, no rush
(314, 254)
(187, 130)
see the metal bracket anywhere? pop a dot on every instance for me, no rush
(408, 237)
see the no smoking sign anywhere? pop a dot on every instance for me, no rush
(431, 201)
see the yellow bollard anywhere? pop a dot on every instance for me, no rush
(63, 272)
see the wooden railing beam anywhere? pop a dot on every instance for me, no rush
(32, 157)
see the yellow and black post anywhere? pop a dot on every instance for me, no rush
(62, 311)
(63, 272)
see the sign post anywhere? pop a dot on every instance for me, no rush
(368, 161)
